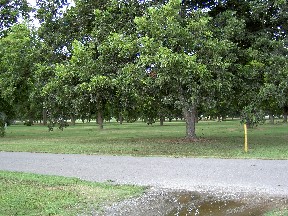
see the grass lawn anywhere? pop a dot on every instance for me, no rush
(33, 194)
(30, 194)
(216, 139)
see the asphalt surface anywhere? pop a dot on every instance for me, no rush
(235, 175)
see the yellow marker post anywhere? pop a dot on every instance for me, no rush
(245, 139)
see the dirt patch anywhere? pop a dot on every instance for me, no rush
(177, 202)
(181, 140)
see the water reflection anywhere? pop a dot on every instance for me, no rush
(196, 204)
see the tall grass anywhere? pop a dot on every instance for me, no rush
(216, 139)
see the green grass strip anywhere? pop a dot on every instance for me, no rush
(31, 194)
(216, 139)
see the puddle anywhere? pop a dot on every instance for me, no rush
(185, 203)
(189, 204)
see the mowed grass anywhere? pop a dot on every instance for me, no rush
(216, 139)
(31, 194)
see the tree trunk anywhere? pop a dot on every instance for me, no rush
(100, 120)
(190, 118)
(219, 118)
(271, 117)
(162, 120)
(44, 116)
(285, 114)
(285, 117)
(73, 120)
(120, 118)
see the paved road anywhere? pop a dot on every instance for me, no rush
(177, 173)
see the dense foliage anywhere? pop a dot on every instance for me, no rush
(144, 59)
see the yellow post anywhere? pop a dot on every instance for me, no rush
(245, 139)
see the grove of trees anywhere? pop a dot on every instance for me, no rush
(131, 59)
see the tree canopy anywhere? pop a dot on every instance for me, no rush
(144, 59)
